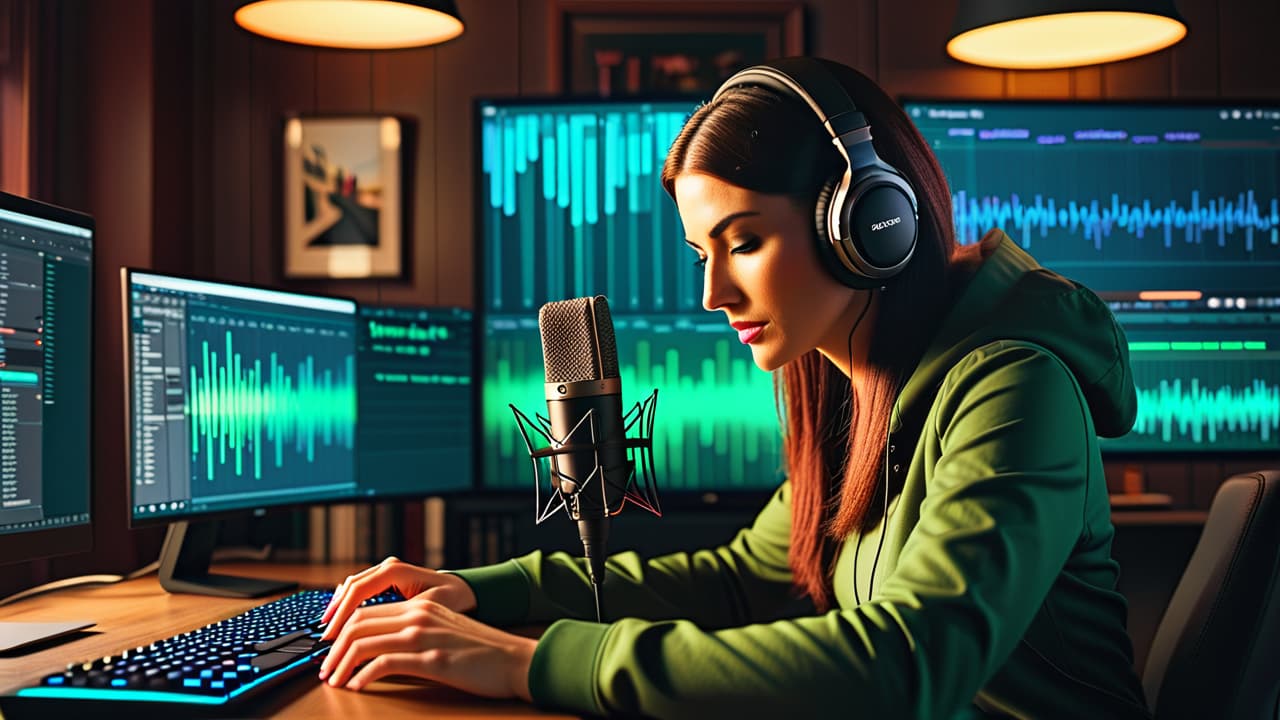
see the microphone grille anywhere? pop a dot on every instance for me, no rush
(577, 340)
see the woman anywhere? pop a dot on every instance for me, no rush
(945, 512)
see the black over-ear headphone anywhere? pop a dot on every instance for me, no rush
(866, 215)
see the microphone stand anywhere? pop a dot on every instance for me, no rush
(638, 488)
(594, 534)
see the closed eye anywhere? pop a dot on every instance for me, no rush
(751, 243)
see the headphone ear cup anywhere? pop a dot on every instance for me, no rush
(826, 243)
(820, 211)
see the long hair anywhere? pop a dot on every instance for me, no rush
(834, 439)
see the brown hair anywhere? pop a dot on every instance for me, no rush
(757, 139)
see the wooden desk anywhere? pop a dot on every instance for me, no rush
(138, 612)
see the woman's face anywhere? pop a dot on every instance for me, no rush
(762, 270)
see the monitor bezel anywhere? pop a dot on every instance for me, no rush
(1125, 454)
(256, 510)
(17, 547)
(475, 454)
(905, 99)
(671, 498)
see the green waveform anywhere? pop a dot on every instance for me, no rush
(232, 407)
(716, 426)
(1202, 413)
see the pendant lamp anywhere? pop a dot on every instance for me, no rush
(353, 24)
(1043, 34)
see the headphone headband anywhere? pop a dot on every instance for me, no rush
(866, 216)
(819, 90)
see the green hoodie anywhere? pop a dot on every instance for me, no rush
(994, 589)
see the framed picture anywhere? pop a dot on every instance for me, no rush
(343, 211)
(631, 48)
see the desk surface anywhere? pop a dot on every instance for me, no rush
(138, 612)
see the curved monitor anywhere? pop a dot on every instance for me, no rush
(46, 385)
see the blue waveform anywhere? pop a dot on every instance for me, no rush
(572, 205)
(586, 159)
(1096, 220)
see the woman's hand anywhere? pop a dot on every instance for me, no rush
(409, 580)
(424, 638)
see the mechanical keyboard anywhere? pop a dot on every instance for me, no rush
(219, 665)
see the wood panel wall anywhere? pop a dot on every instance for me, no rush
(505, 51)
(173, 117)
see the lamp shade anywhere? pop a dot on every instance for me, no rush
(1042, 34)
(353, 24)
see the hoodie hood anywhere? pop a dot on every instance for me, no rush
(1011, 297)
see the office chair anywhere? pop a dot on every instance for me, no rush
(1216, 653)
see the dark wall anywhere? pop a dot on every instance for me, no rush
(170, 135)
(246, 86)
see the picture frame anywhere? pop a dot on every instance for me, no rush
(621, 48)
(343, 204)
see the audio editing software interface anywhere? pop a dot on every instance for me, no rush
(240, 396)
(45, 281)
(1170, 213)
(415, 392)
(570, 206)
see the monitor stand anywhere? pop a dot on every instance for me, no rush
(184, 565)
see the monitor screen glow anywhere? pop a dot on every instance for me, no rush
(1171, 213)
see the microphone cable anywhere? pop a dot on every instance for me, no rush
(595, 589)
(594, 536)
(857, 550)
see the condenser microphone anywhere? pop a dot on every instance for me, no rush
(591, 471)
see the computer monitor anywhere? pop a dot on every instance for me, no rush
(570, 205)
(238, 398)
(414, 436)
(46, 386)
(1170, 212)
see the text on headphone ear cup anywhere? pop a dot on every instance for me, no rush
(883, 224)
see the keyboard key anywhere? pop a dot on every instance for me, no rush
(270, 645)
(272, 660)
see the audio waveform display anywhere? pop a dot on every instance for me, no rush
(1190, 400)
(1203, 414)
(1120, 197)
(570, 205)
(264, 403)
(1138, 201)
(1186, 223)
(716, 425)
(573, 206)
(239, 397)
(1204, 382)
